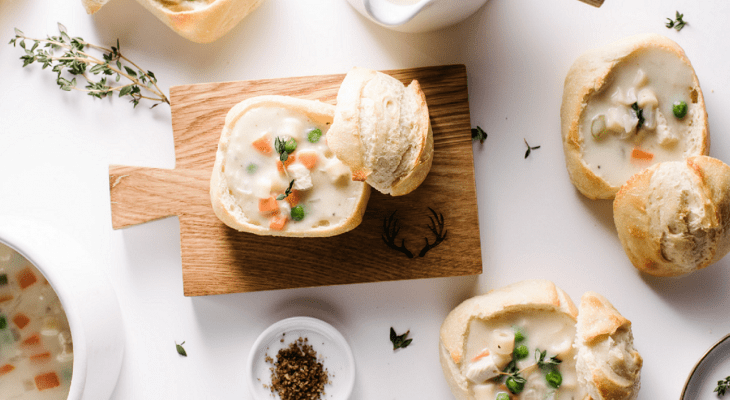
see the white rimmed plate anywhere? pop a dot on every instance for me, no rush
(712, 367)
(331, 347)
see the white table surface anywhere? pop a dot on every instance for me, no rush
(55, 148)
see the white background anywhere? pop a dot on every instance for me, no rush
(55, 148)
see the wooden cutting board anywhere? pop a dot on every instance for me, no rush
(217, 259)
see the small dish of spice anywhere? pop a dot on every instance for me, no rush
(301, 358)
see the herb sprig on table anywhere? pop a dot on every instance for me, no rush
(77, 60)
(529, 148)
(180, 349)
(678, 24)
(399, 341)
(478, 134)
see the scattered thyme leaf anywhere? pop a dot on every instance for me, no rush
(399, 341)
(287, 192)
(529, 149)
(722, 386)
(77, 58)
(180, 349)
(639, 114)
(677, 24)
(478, 134)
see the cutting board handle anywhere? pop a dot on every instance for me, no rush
(140, 194)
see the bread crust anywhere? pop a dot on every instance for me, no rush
(682, 205)
(388, 156)
(588, 75)
(603, 332)
(222, 201)
(600, 320)
(202, 25)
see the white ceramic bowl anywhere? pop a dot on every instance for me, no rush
(416, 15)
(713, 366)
(329, 344)
(87, 297)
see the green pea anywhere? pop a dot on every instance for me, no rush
(679, 108)
(297, 213)
(314, 135)
(290, 145)
(519, 336)
(554, 378)
(521, 352)
(515, 385)
(251, 168)
(502, 396)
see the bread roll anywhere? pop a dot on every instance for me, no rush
(479, 340)
(618, 116)
(200, 21)
(673, 218)
(608, 365)
(382, 131)
(252, 190)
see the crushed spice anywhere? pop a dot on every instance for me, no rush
(297, 374)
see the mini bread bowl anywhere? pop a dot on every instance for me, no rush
(96, 326)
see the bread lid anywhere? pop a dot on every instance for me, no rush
(596, 322)
(382, 131)
(231, 212)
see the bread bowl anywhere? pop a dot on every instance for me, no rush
(512, 328)
(382, 131)
(255, 188)
(200, 21)
(618, 112)
(674, 218)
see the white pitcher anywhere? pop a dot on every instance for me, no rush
(416, 15)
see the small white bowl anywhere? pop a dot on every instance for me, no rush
(713, 366)
(87, 298)
(331, 347)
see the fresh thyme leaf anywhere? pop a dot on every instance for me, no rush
(287, 192)
(639, 114)
(76, 58)
(399, 341)
(677, 24)
(722, 386)
(180, 349)
(529, 149)
(478, 134)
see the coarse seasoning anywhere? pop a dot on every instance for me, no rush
(297, 374)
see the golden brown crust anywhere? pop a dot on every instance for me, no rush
(223, 202)
(674, 218)
(591, 72)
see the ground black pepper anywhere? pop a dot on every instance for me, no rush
(297, 374)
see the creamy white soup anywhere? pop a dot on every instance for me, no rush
(36, 350)
(311, 188)
(522, 356)
(642, 117)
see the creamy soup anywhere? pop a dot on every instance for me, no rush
(36, 351)
(642, 117)
(310, 189)
(529, 345)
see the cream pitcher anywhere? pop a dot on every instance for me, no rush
(416, 15)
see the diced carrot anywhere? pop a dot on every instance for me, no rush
(26, 277)
(278, 222)
(40, 358)
(47, 381)
(6, 297)
(308, 159)
(268, 205)
(21, 320)
(263, 145)
(281, 166)
(359, 176)
(293, 198)
(32, 340)
(6, 369)
(641, 154)
(481, 355)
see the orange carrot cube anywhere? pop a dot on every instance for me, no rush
(293, 198)
(278, 222)
(268, 205)
(32, 340)
(47, 381)
(263, 145)
(308, 159)
(641, 154)
(6, 297)
(6, 369)
(21, 320)
(40, 358)
(25, 278)
(281, 166)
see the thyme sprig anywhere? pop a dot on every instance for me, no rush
(529, 148)
(399, 341)
(77, 60)
(180, 349)
(678, 24)
(722, 386)
(478, 134)
(287, 192)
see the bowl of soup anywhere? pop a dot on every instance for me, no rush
(61, 332)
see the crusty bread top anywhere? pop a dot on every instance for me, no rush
(608, 366)
(223, 202)
(93, 6)
(588, 75)
(674, 217)
(382, 131)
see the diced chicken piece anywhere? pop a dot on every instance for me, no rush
(302, 177)
(646, 97)
(482, 370)
(640, 79)
(626, 99)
